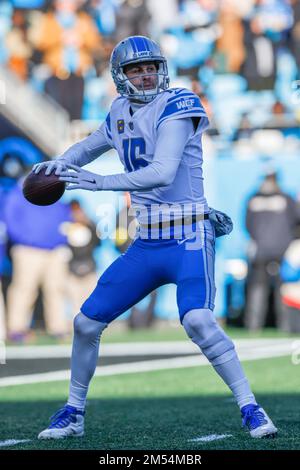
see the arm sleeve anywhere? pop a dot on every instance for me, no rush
(171, 141)
(89, 148)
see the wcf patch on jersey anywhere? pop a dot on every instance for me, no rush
(120, 126)
(189, 103)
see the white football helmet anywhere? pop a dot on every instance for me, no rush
(135, 50)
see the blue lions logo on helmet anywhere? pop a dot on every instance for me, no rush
(136, 50)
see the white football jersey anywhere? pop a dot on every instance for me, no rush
(134, 136)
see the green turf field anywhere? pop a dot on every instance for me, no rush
(174, 332)
(159, 410)
(177, 333)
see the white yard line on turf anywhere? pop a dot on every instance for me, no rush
(13, 442)
(269, 351)
(134, 349)
(127, 368)
(212, 437)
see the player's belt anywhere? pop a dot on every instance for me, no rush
(175, 222)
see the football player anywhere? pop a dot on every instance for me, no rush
(156, 132)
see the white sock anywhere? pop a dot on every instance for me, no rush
(233, 375)
(85, 352)
(77, 395)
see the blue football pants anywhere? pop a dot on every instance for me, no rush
(149, 264)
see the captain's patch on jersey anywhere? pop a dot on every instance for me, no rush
(120, 126)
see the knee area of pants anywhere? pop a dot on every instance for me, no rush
(204, 331)
(199, 323)
(84, 326)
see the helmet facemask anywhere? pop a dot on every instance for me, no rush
(140, 94)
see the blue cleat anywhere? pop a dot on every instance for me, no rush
(258, 422)
(67, 422)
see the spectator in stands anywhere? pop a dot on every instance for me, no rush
(39, 259)
(82, 241)
(198, 90)
(270, 220)
(133, 18)
(230, 44)
(191, 40)
(259, 67)
(18, 45)
(163, 15)
(295, 34)
(104, 14)
(3, 238)
(290, 289)
(198, 12)
(275, 19)
(266, 32)
(68, 38)
(6, 11)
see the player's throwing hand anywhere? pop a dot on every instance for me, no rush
(81, 179)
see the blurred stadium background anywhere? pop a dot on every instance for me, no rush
(243, 59)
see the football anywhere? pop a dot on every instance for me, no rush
(43, 190)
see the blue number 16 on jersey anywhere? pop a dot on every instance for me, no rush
(133, 149)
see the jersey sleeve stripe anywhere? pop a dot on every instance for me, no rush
(181, 104)
(108, 125)
(109, 134)
(195, 112)
(173, 98)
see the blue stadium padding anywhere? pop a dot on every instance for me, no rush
(23, 148)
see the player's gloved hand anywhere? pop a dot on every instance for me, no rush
(59, 164)
(81, 179)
